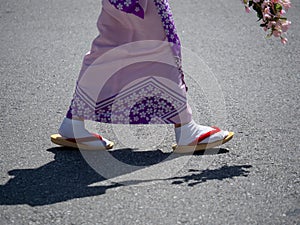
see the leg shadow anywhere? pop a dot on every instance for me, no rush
(224, 172)
(69, 177)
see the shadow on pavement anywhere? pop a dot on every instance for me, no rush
(69, 176)
(201, 176)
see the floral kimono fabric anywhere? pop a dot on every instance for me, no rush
(132, 75)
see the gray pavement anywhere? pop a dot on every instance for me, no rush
(254, 179)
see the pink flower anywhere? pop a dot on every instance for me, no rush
(284, 40)
(285, 26)
(286, 4)
(282, 12)
(247, 9)
(266, 16)
(267, 13)
(271, 17)
(276, 33)
(273, 23)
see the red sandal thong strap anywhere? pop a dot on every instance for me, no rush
(95, 137)
(207, 134)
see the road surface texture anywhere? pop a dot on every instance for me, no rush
(237, 79)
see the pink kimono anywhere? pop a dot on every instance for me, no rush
(133, 75)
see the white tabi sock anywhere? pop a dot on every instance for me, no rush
(75, 129)
(188, 133)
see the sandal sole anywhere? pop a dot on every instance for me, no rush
(201, 147)
(59, 140)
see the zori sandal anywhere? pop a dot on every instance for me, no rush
(198, 146)
(80, 143)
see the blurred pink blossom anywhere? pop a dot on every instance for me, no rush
(270, 13)
(284, 41)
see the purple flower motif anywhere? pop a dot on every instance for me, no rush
(129, 6)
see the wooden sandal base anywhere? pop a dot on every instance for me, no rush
(59, 140)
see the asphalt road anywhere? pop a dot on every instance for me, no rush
(237, 80)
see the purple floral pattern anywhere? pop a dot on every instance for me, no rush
(149, 102)
(129, 6)
(169, 25)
